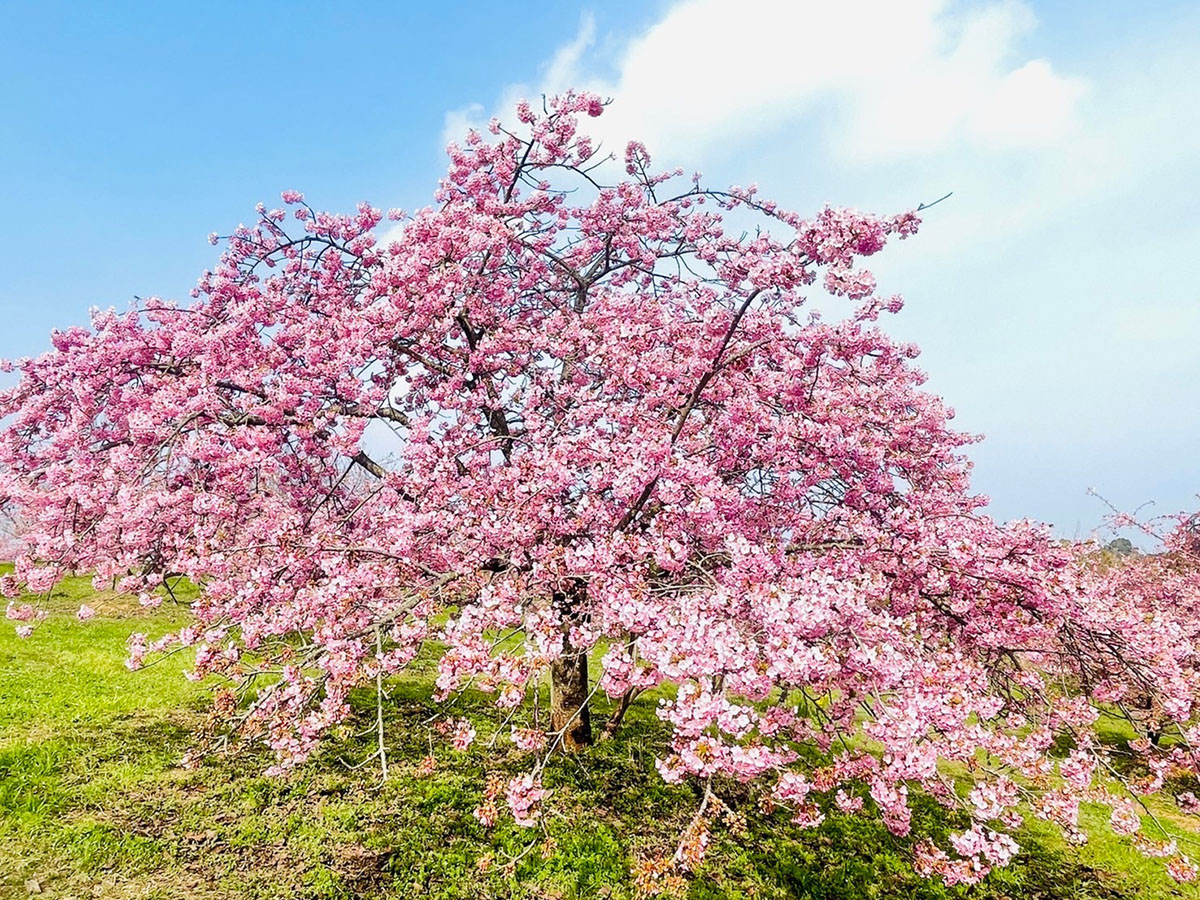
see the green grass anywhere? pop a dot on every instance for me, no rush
(93, 803)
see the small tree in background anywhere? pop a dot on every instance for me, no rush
(1120, 547)
(614, 426)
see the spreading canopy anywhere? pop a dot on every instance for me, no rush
(558, 412)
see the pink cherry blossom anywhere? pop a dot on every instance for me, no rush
(20, 612)
(1125, 818)
(524, 796)
(463, 734)
(573, 405)
(1181, 869)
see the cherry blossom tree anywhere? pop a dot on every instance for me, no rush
(563, 417)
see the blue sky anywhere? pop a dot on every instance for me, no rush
(1055, 294)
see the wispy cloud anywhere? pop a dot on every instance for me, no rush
(903, 77)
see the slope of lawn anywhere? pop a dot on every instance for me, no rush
(93, 803)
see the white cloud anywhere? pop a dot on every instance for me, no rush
(564, 66)
(1028, 107)
(904, 77)
(459, 121)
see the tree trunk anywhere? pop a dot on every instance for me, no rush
(569, 711)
